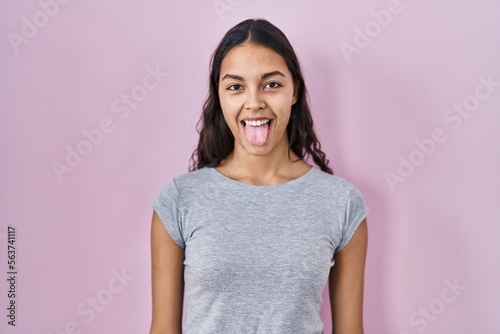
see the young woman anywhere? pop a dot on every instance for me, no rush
(253, 232)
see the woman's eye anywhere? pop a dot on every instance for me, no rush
(273, 85)
(234, 87)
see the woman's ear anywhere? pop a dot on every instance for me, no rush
(295, 92)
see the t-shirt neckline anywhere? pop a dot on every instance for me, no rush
(253, 186)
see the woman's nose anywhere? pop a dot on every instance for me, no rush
(254, 100)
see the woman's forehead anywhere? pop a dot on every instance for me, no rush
(253, 60)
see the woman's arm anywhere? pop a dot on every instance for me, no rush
(346, 284)
(167, 262)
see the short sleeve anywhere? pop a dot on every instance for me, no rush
(356, 211)
(166, 205)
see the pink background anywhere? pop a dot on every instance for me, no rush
(74, 234)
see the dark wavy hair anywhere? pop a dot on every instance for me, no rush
(216, 140)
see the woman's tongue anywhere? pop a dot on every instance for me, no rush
(257, 135)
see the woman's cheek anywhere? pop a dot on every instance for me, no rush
(231, 104)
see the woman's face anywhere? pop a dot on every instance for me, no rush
(256, 93)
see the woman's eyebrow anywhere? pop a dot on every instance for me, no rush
(263, 76)
(270, 74)
(232, 76)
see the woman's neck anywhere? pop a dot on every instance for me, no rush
(270, 169)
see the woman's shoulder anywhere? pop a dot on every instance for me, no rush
(195, 174)
(331, 182)
(186, 183)
(196, 177)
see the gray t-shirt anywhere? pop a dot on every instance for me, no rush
(257, 258)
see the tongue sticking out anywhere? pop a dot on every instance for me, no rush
(257, 135)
